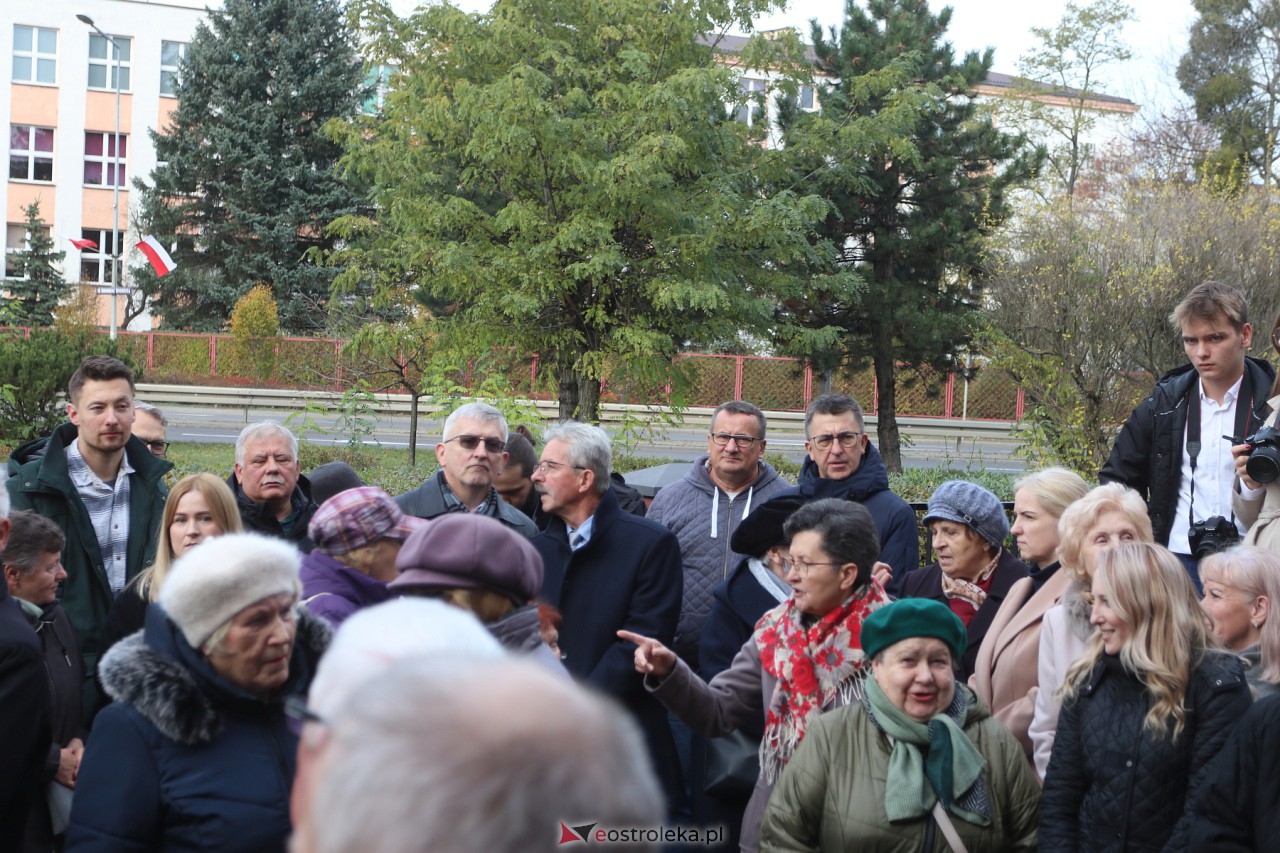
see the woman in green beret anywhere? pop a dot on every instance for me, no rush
(918, 764)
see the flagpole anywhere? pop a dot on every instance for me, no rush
(115, 182)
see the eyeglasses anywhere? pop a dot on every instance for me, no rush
(846, 439)
(546, 466)
(722, 439)
(803, 568)
(470, 442)
(157, 445)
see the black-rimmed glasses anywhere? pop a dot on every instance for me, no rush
(846, 439)
(722, 439)
(471, 442)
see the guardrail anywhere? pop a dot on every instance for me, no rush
(782, 424)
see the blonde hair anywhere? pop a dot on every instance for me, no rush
(1148, 589)
(1055, 488)
(1078, 519)
(222, 505)
(1255, 572)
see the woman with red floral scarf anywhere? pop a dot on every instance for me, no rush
(805, 656)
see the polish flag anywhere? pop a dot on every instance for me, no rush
(82, 245)
(160, 260)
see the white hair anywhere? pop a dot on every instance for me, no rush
(4, 502)
(476, 412)
(587, 447)
(262, 430)
(376, 638)
(154, 411)
(464, 756)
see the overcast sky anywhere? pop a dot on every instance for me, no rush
(1157, 39)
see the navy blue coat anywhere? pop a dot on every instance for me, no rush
(894, 518)
(24, 722)
(183, 759)
(628, 576)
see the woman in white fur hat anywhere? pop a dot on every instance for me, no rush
(196, 751)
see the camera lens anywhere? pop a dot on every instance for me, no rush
(1263, 464)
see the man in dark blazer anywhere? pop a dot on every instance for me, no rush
(607, 570)
(24, 712)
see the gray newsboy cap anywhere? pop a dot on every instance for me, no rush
(971, 505)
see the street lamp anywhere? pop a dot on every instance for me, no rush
(115, 180)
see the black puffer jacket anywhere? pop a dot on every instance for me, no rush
(1147, 456)
(1236, 807)
(1112, 785)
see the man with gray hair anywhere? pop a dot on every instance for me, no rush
(606, 570)
(24, 712)
(567, 766)
(149, 425)
(272, 495)
(472, 452)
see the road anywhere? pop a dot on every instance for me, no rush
(213, 425)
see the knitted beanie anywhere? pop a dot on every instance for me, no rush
(215, 580)
(971, 505)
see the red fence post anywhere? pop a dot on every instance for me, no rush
(151, 351)
(949, 397)
(737, 377)
(213, 355)
(1019, 406)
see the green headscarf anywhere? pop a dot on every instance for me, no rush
(930, 762)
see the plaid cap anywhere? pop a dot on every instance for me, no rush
(359, 517)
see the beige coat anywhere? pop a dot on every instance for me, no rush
(1006, 674)
(1262, 517)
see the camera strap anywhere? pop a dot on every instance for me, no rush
(1244, 409)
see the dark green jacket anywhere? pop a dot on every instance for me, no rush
(40, 482)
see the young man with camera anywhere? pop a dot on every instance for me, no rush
(1258, 467)
(1172, 449)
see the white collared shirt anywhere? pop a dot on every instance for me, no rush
(1215, 473)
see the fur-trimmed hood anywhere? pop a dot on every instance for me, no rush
(156, 672)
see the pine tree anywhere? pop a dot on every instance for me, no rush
(908, 223)
(247, 185)
(39, 287)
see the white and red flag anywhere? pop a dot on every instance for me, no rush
(82, 245)
(160, 260)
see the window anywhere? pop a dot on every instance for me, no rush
(172, 55)
(102, 56)
(95, 264)
(751, 110)
(35, 55)
(100, 159)
(378, 80)
(16, 240)
(806, 99)
(30, 153)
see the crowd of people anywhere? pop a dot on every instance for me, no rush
(519, 654)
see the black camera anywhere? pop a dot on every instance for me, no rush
(1211, 536)
(1264, 454)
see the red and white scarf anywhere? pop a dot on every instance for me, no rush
(814, 665)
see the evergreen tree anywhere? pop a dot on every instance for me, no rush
(39, 287)
(247, 185)
(908, 222)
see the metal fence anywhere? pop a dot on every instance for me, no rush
(778, 384)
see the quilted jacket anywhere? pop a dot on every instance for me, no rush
(1235, 809)
(832, 794)
(703, 517)
(1114, 786)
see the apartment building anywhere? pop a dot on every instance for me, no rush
(58, 102)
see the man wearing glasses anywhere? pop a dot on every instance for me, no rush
(149, 424)
(706, 507)
(843, 463)
(472, 454)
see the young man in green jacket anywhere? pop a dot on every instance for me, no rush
(106, 491)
